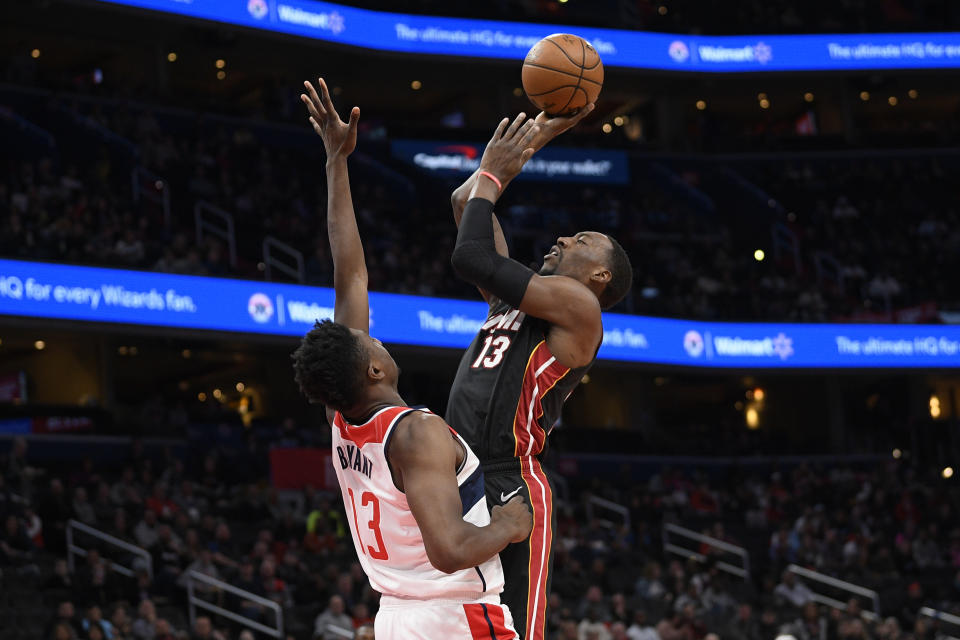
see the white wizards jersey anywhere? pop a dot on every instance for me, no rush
(388, 541)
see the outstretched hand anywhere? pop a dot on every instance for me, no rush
(339, 137)
(510, 147)
(552, 126)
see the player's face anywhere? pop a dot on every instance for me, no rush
(577, 256)
(379, 357)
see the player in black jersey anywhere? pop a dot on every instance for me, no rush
(542, 334)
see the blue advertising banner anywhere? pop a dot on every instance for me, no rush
(433, 35)
(40, 290)
(550, 164)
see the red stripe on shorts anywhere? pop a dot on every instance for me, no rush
(479, 627)
(540, 542)
(500, 628)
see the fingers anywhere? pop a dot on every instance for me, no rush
(527, 134)
(314, 101)
(516, 498)
(316, 125)
(515, 125)
(325, 96)
(498, 133)
(354, 118)
(584, 112)
(311, 108)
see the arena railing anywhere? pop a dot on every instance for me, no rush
(596, 505)
(74, 549)
(941, 616)
(841, 585)
(270, 261)
(205, 217)
(194, 602)
(714, 543)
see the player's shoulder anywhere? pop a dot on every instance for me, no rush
(415, 430)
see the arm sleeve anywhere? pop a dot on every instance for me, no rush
(475, 257)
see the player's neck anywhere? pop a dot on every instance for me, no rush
(368, 406)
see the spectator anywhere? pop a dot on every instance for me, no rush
(592, 631)
(203, 565)
(62, 631)
(364, 633)
(333, 623)
(164, 630)
(54, 510)
(361, 615)
(160, 504)
(94, 581)
(791, 592)
(744, 625)
(65, 615)
(16, 549)
(122, 624)
(926, 553)
(203, 630)
(82, 509)
(145, 626)
(675, 627)
(94, 622)
(61, 578)
(146, 531)
(640, 629)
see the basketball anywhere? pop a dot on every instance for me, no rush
(562, 73)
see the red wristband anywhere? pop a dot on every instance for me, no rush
(496, 180)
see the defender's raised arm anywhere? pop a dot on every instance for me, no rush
(351, 307)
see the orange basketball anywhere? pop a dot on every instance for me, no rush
(562, 73)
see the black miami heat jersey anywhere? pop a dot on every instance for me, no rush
(509, 388)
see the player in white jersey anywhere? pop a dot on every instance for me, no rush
(412, 488)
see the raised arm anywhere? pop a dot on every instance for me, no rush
(424, 454)
(351, 306)
(547, 129)
(567, 304)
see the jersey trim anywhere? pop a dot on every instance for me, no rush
(373, 430)
(540, 544)
(471, 491)
(487, 622)
(542, 372)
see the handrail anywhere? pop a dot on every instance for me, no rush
(194, 602)
(271, 244)
(159, 184)
(716, 543)
(935, 614)
(106, 537)
(838, 584)
(226, 232)
(608, 504)
(833, 603)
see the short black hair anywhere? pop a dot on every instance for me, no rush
(621, 276)
(329, 365)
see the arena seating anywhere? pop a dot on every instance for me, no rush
(889, 528)
(121, 184)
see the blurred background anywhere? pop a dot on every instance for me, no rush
(148, 471)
